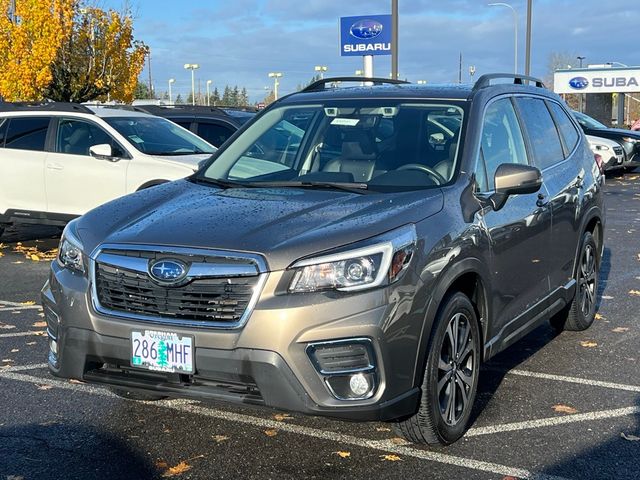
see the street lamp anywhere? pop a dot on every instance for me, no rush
(193, 67)
(321, 69)
(581, 59)
(515, 35)
(276, 82)
(171, 82)
(580, 96)
(209, 82)
(472, 71)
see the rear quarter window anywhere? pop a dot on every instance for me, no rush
(566, 127)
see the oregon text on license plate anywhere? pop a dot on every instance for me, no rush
(162, 351)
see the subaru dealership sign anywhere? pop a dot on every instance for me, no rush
(365, 35)
(597, 80)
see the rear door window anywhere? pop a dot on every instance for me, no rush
(567, 129)
(502, 142)
(214, 133)
(27, 133)
(75, 137)
(543, 134)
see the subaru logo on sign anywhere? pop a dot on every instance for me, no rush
(579, 83)
(366, 29)
(168, 271)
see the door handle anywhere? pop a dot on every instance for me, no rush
(54, 166)
(542, 200)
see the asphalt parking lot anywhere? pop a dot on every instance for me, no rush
(550, 407)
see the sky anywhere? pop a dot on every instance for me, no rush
(238, 42)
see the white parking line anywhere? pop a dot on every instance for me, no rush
(22, 334)
(23, 368)
(582, 381)
(17, 309)
(553, 421)
(5, 303)
(383, 446)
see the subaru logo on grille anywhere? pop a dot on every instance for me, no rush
(578, 83)
(366, 29)
(168, 271)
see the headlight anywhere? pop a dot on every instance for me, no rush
(357, 269)
(70, 251)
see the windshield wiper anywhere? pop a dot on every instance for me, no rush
(221, 183)
(352, 187)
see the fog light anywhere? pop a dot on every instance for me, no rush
(53, 346)
(359, 385)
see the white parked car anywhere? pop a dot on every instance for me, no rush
(611, 151)
(59, 160)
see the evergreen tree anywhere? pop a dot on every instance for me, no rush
(244, 97)
(226, 96)
(235, 96)
(215, 97)
(179, 100)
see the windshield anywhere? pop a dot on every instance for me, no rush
(377, 145)
(158, 136)
(588, 122)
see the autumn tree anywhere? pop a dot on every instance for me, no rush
(99, 59)
(30, 38)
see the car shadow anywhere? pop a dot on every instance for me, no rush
(62, 450)
(618, 458)
(45, 234)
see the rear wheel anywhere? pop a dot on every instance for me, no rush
(450, 378)
(581, 312)
(135, 395)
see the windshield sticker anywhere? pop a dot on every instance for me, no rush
(135, 138)
(347, 122)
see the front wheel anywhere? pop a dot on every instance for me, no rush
(581, 312)
(450, 378)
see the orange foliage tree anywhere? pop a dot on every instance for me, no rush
(100, 59)
(30, 38)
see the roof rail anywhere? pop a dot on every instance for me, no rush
(321, 84)
(179, 108)
(485, 80)
(44, 106)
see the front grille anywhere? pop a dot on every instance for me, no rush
(205, 301)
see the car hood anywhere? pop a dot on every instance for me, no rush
(191, 160)
(594, 140)
(282, 224)
(618, 132)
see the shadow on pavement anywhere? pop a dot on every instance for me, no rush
(67, 451)
(47, 236)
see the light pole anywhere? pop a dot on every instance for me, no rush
(276, 82)
(321, 69)
(515, 30)
(581, 59)
(193, 67)
(171, 82)
(580, 96)
(209, 82)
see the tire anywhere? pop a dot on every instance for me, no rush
(436, 422)
(581, 312)
(135, 395)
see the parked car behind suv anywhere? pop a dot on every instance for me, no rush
(610, 151)
(629, 139)
(61, 160)
(214, 124)
(362, 270)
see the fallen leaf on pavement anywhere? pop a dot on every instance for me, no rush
(7, 360)
(635, 293)
(179, 469)
(31, 343)
(162, 464)
(44, 386)
(28, 303)
(220, 438)
(620, 329)
(39, 324)
(399, 441)
(15, 477)
(382, 429)
(598, 316)
(282, 416)
(271, 432)
(588, 344)
(343, 454)
(631, 438)
(40, 333)
(390, 458)
(6, 326)
(564, 409)
(15, 350)
(77, 382)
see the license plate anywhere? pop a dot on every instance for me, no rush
(162, 351)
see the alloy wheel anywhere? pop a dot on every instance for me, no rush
(587, 281)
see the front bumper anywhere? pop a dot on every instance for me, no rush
(246, 365)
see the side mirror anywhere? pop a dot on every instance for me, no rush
(103, 152)
(514, 179)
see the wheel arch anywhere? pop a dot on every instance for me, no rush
(470, 277)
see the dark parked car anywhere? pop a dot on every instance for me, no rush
(354, 252)
(214, 124)
(629, 139)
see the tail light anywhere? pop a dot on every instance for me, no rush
(598, 159)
